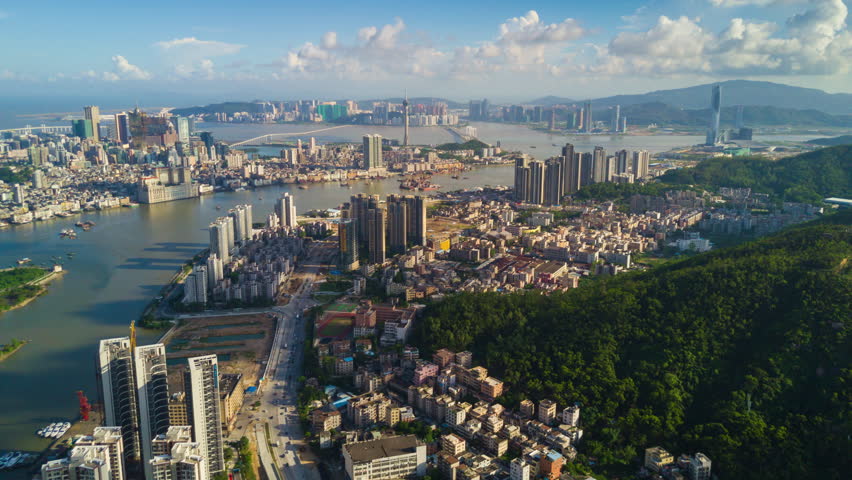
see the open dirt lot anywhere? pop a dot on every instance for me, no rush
(242, 344)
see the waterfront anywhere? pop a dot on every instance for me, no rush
(131, 253)
(117, 267)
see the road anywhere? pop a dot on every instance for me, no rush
(279, 396)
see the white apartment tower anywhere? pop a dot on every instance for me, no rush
(202, 381)
(117, 385)
(153, 396)
(109, 437)
(286, 211)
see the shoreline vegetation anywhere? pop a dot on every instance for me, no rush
(21, 285)
(150, 317)
(11, 348)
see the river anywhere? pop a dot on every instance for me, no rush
(131, 252)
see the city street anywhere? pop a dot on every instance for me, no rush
(278, 396)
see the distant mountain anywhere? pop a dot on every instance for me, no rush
(228, 107)
(666, 115)
(841, 140)
(742, 92)
(551, 100)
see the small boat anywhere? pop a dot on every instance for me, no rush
(218, 207)
(303, 187)
(24, 261)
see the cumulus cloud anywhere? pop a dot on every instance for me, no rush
(815, 42)
(201, 70)
(194, 46)
(125, 70)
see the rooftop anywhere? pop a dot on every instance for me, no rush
(382, 448)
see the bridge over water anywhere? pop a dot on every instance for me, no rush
(268, 137)
(29, 129)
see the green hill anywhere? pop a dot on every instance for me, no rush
(743, 354)
(808, 177)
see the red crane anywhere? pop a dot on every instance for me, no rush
(85, 408)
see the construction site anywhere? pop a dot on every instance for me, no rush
(241, 343)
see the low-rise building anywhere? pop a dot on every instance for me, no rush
(385, 458)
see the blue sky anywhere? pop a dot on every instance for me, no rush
(216, 50)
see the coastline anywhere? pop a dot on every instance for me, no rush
(6, 355)
(42, 284)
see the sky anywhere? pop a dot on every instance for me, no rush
(204, 51)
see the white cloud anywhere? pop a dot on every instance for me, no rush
(815, 42)
(196, 47)
(201, 70)
(127, 71)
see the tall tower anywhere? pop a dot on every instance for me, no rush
(117, 384)
(715, 114)
(93, 114)
(372, 151)
(348, 248)
(286, 210)
(405, 118)
(202, 380)
(376, 221)
(397, 223)
(153, 397)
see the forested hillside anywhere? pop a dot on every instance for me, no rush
(808, 177)
(743, 354)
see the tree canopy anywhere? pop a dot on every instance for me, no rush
(743, 354)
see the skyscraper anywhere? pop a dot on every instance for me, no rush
(622, 161)
(599, 165)
(640, 164)
(93, 114)
(182, 127)
(109, 437)
(82, 128)
(715, 115)
(554, 183)
(376, 235)
(117, 385)
(348, 244)
(587, 169)
(397, 224)
(522, 179)
(221, 233)
(589, 123)
(416, 217)
(122, 129)
(616, 118)
(570, 170)
(372, 152)
(405, 119)
(202, 381)
(153, 397)
(536, 183)
(286, 210)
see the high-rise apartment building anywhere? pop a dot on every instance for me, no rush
(111, 438)
(152, 396)
(416, 218)
(376, 226)
(599, 165)
(93, 114)
(286, 210)
(202, 381)
(122, 128)
(640, 164)
(82, 128)
(616, 119)
(372, 152)
(536, 183)
(397, 224)
(89, 462)
(117, 385)
(589, 122)
(348, 244)
(178, 457)
(554, 183)
(222, 238)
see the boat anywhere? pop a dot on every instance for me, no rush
(303, 187)
(69, 233)
(24, 261)
(218, 207)
(532, 146)
(455, 177)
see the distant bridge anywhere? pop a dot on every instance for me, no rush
(266, 138)
(42, 128)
